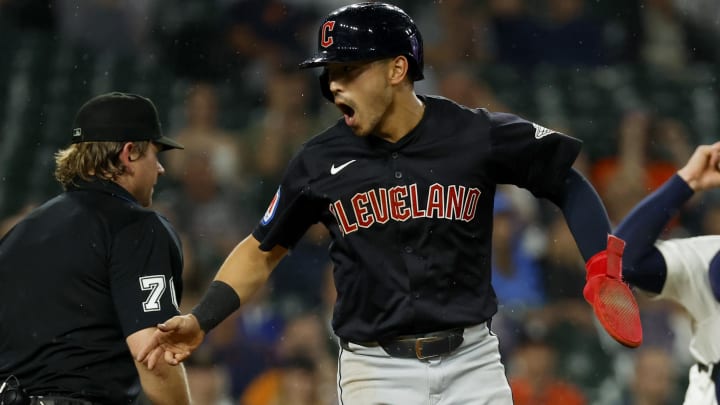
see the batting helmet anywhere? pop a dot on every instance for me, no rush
(365, 32)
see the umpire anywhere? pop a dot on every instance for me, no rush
(86, 276)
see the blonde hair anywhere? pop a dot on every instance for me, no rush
(87, 160)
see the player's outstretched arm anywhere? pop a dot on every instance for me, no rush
(644, 265)
(244, 271)
(612, 301)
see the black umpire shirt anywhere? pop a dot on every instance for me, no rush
(411, 222)
(77, 276)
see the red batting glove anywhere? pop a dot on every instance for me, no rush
(611, 299)
(607, 263)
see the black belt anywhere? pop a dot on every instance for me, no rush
(424, 346)
(55, 400)
(704, 368)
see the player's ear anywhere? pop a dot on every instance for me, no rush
(399, 67)
(129, 153)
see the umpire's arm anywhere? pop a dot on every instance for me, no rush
(164, 384)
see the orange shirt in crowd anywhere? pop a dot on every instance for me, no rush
(555, 393)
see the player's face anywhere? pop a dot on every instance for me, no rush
(146, 170)
(362, 93)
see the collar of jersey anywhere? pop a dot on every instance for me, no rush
(104, 186)
(409, 137)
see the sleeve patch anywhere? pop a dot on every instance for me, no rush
(541, 132)
(272, 208)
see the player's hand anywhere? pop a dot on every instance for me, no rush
(612, 301)
(702, 172)
(174, 341)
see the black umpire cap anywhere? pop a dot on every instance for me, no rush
(120, 117)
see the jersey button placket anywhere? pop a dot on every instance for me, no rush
(398, 174)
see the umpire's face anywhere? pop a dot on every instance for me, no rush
(363, 92)
(142, 173)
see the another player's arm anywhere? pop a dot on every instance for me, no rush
(243, 273)
(644, 265)
(164, 384)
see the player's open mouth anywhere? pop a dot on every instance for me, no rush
(346, 109)
(348, 112)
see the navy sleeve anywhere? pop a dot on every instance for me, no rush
(584, 213)
(643, 265)
(291, 211)
(529, 155)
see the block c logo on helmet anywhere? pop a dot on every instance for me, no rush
(325, 39)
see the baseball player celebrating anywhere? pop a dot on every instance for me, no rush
(405, 184)
(684, 270)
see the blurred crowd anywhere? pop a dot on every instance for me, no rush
(279, 349)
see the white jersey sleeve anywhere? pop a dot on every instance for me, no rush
(687, 261)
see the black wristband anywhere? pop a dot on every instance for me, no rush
(218, 303)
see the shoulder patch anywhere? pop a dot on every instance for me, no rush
(541, 132)
(270, 213)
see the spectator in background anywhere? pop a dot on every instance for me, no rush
(209, 185)
(264, 34)
(114, 26)
(649, 150)
(292, 382)
(201, 133)
(280, 125)
(248, 343)
(516, 276)
(653, 379)
(208, 379)
(305, 371)
(663, 36)
(207, 213)
(533, 378)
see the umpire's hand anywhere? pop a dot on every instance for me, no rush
(175, 340)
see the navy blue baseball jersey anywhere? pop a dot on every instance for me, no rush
(411, 221)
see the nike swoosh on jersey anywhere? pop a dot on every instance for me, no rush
(335, 170)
